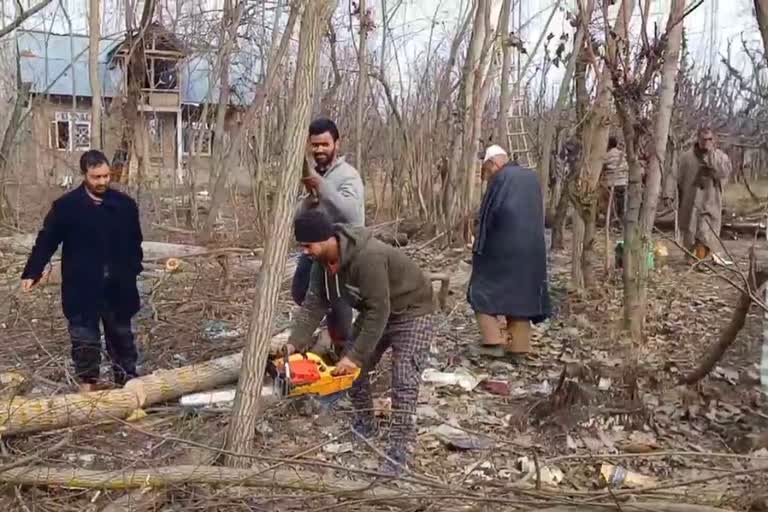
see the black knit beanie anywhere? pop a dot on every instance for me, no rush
(312, 225)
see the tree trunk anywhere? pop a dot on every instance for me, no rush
(165, 476)
(641, 206)
(465, 168)
(362, 80)
(505, 95)
(94, 36)
(219, 171)
(27, 415)
(594, 147)
(562, 98)
(9, 139)
(137, 71)
(243, 423)
(256, 107)
(761, 14)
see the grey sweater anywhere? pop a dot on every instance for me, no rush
(341, 194)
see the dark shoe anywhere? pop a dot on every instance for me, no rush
(398, 463)
(366, 427)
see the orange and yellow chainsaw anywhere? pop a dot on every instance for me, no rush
(307, 374)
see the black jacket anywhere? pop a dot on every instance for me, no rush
(92, 239)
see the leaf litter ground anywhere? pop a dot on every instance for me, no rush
(528, 434)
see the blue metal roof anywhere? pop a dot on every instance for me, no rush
(44, 58)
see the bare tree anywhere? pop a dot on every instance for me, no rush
(505, 94)
(582, 28)
(362, 81)
(761, 14)
(94, 36)
(23, 15)
(643, 201)
(219, 172)
(594, 146)
(243, 423)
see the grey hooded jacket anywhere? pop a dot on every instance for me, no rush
(341, 194)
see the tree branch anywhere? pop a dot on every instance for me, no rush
(23, 16)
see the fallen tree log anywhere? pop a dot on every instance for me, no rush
(140, 500)
(647, 506)
(77, 478)
(27, 415)
(22, 244)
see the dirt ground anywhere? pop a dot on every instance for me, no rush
(519, 436)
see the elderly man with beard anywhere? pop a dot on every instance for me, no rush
(335, 187)
(509, 261)
(100, 234)
(702, 174)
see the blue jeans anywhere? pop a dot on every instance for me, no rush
(339, 315)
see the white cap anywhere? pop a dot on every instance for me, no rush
(493, 151)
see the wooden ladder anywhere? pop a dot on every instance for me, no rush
(517, 136)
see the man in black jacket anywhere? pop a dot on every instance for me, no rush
(101, 257)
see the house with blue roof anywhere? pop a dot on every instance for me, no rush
(175, 90)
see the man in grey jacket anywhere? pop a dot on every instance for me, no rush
(339, 192)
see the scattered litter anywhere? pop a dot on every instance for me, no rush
(82, 458)
(461, 377)
(496, 387)
(220, 330)
(731, 376)
(338, 448)
(427, 411)
(459, 439)
(264, 429)
(548, 475)
(382, 406)
(545, 388)
(640, 442)
(617, 476)
(604, 384)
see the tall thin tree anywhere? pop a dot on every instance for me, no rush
(362, 81)
(94, 36)
(643, 201)
(242, 427)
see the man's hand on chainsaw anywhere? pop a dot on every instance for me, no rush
(344, 367)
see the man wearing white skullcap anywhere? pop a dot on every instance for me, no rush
(509, 260)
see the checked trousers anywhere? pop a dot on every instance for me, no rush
(410, 340)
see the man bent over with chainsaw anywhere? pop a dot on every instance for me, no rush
(394, 299)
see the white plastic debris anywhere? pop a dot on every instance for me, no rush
(338, 448)
(458, 439)
(548, 475)
(461, 377)
(209, 398)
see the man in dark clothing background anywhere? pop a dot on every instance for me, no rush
(509, 260)
(335, 187)
(101, 256)
(394, 298)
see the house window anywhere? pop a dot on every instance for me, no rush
(82, 136)
(198, 137)
(71, 131)
(164, 74)
(60, 135)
